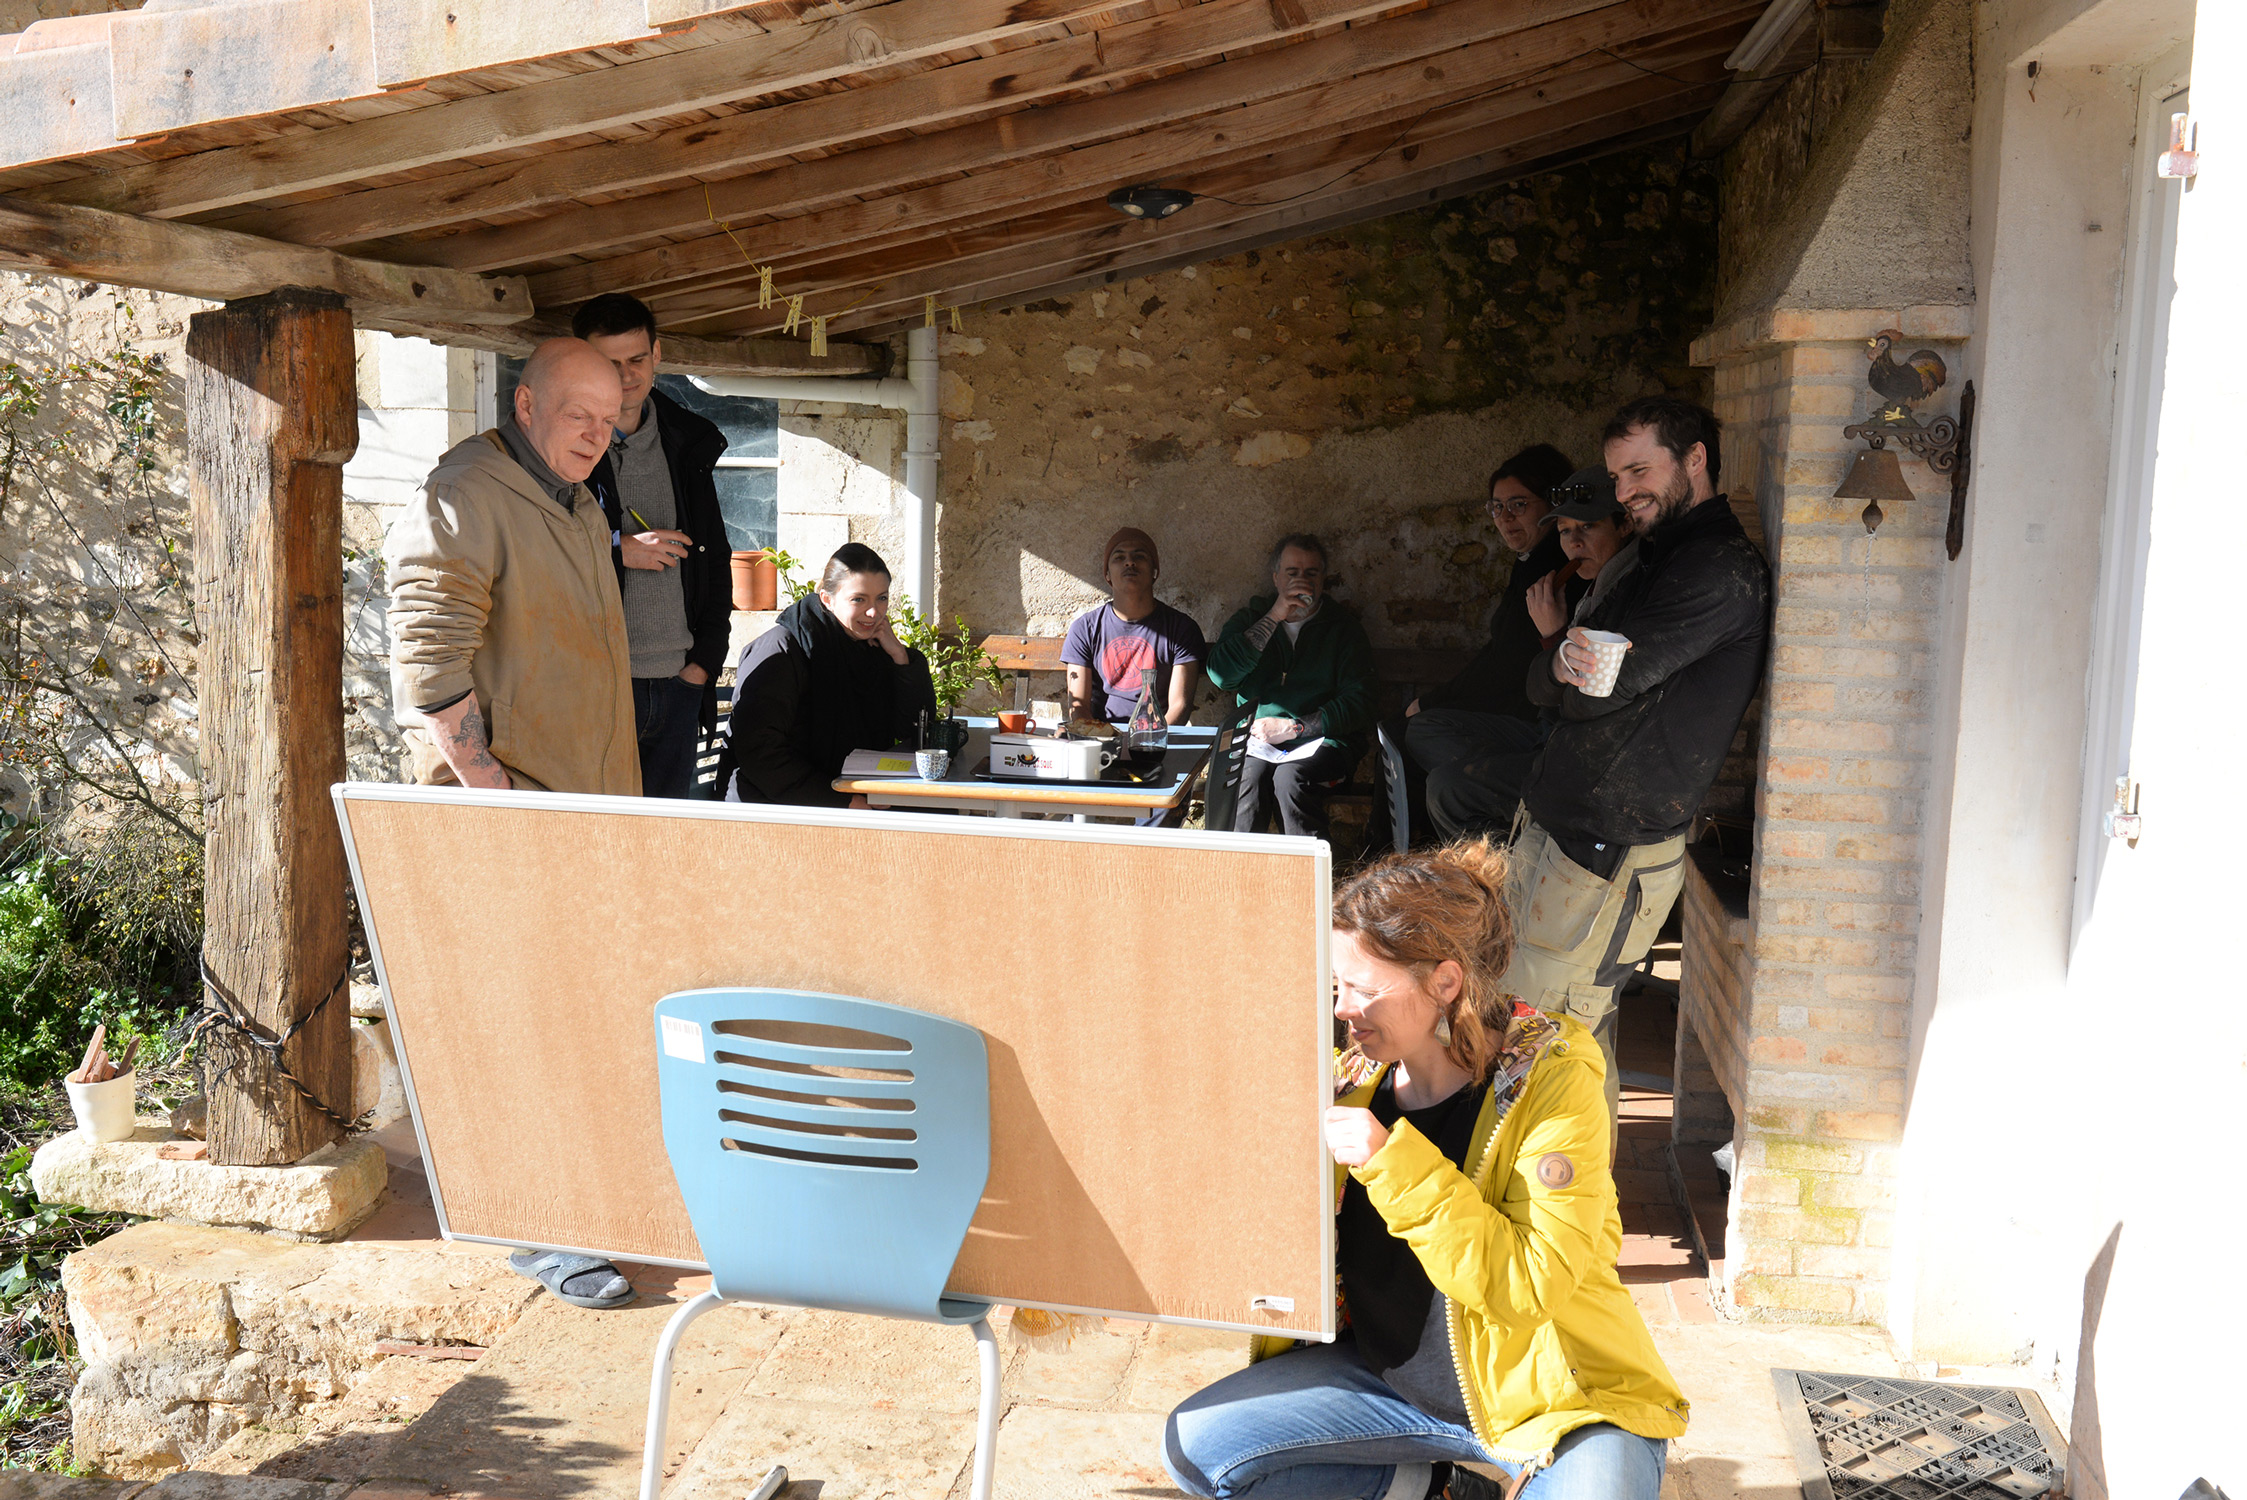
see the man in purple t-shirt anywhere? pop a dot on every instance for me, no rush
(1109, 646)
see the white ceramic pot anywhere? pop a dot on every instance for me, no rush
(104, 1110)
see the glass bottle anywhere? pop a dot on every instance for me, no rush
(1149, 731)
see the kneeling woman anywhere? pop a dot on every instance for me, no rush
(1476, 1239)
(831, 677)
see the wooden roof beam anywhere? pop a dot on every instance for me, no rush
(66, 240)
(1280, 229)
(1374, 76)
(793, 187)
(1503, 147)
(675, 83)
(778, 131)
(684, 353)
(980, 206)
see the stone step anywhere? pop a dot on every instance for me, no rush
(190, 1334)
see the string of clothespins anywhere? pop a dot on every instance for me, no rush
(792, 313)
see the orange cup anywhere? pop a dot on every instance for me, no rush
(1013, 721)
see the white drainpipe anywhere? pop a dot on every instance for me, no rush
(915, 395)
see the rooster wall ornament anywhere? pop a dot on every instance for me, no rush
(1877, 475)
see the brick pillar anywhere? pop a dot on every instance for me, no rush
(1842, 772)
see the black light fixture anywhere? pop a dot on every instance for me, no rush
(1144, 200)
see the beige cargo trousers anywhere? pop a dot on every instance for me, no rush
(1577, 936)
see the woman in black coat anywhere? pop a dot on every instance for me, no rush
(831, 677)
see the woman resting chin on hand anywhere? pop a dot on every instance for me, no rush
(1486, 1338)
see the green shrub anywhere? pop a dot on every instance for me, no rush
(51, 994)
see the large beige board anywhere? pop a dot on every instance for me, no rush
(1154, 1004)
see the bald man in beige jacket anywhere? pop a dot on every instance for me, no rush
(508, 660)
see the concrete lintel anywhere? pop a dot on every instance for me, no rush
(323, 1197)
(1830, 325)
(176, 68)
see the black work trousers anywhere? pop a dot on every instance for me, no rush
(1297, 787)
(1476, 765)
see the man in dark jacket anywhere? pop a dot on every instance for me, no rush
(1483, 713)
(1613, 793)
(669, 542)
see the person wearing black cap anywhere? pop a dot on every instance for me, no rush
(1485, 710)
(1479, 791)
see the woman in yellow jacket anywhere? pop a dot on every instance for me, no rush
(1487, 1338)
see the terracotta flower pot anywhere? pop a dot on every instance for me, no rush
(756, 582)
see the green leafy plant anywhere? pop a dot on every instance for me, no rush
(38, 1357)
(956, 663)
(785, 564)
(55, 994)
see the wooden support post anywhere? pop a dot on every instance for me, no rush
(272, 413)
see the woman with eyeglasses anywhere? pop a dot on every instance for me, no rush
(1484, 714)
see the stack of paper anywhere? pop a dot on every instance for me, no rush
(871, 763)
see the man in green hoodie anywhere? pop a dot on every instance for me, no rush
(1305, 663)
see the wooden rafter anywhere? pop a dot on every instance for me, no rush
(682, 352)
(220, 265)
(1062, 248)
(1074, 185)
(772, 134)
(1369, 70)
(1279, 227)
(796, 187)
(675, 83)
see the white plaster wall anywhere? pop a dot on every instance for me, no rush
(2069, 1188)
(842, 479)
(413, 404)
(2015, 650)
(2152, 1177)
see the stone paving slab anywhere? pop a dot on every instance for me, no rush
(558, 1407)
(832, 1453)
(1047, 1453)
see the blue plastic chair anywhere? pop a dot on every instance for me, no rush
(831, 1152)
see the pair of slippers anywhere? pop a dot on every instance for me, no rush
(579, 1280)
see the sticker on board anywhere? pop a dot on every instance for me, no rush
(682, 1039)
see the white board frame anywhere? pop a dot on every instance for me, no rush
(1031, 831)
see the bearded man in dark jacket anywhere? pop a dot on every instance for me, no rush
(1609, 802)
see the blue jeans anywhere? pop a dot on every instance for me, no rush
(1316, 1424)
(669, 715)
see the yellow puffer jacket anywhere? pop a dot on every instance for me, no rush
(1522, 1248)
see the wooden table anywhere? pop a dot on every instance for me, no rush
(1190, 745)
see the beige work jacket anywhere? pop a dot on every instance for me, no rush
(496, 588)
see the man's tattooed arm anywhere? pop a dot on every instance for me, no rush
(461, 738)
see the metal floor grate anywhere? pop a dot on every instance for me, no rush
(1878, 1437)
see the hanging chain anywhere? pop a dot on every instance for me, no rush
(230, 1014)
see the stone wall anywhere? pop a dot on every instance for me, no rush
(84, 539)
(1360, 384)
(88, 577)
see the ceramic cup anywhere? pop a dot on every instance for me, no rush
(932, 764)
(1607, 648)
(104, 1110)
(1013, 721)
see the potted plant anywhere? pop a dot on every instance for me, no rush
(760, 574)
(756, 579)
(956, 663)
